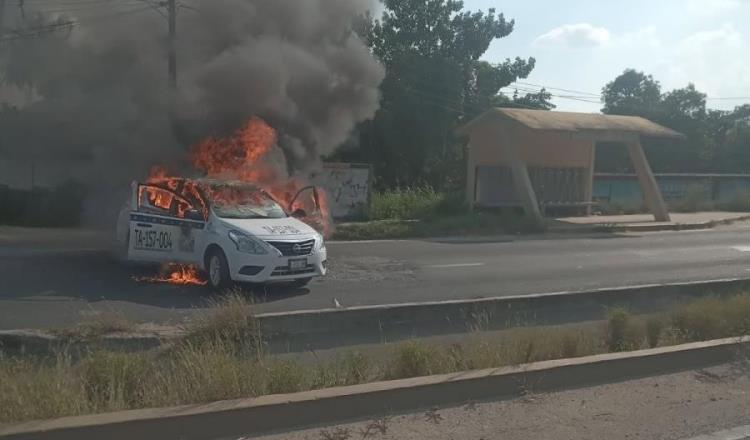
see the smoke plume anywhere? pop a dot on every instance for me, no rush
(99, 90)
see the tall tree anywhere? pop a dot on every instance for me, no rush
(631, 93)
(434, 81)
(716, 141)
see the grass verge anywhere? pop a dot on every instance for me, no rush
(468, 224)
(222, 358)
(421, 211)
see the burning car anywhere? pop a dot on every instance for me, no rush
(233, 230)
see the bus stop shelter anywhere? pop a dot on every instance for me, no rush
(539, 159)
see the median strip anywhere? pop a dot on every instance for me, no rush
(285, 412)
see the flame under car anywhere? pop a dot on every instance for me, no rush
(234, 231)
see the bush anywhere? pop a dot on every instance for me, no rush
(229, 320)
(114, 381)
(204, 372)
(414, 359)
(740, 202)
(696, 198)
(33, 390)
(618, 320)
(654, 327)
(285, 377)
(711, 318)
(699, 320)
(403, 203)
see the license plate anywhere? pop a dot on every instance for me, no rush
(150, 239)
(297, 263)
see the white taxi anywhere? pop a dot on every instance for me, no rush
(232, 230)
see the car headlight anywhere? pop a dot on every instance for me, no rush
(247, 244)
(319, 242)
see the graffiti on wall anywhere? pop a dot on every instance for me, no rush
(348, 187)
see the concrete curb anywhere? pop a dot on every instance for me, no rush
(283, 413)
(648, 227)
(330, 328)
(38, 342)
(304, 330)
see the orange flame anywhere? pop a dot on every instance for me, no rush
(180, 274)
(244, 157)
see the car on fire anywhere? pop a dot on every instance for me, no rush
(233, 230)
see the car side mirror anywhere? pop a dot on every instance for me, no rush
(194, 214)
(299, 213)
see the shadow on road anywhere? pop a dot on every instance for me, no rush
(95, 277)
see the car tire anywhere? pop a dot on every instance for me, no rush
(217, 270)
(302, 282)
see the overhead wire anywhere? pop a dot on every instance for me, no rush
(39, 31)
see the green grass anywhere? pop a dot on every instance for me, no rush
(220, 359)
(417, 202)
(423, 212)
(477, 223)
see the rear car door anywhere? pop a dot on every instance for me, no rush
(158, 230)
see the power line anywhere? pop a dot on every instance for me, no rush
(558, 88)
(40, 31)
(587, 95)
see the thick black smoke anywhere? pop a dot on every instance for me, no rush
(100, 89)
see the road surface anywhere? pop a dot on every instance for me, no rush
(52, 279)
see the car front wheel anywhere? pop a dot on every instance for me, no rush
(218, 270)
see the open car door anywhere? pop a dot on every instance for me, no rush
(307, 206)
(164, 227)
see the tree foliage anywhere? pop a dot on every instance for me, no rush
(631, 93)
(435, 80)
(716, 141)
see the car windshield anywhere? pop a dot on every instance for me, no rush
(242, 202)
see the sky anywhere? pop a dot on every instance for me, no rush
(580, 45)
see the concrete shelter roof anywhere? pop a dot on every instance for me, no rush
(572, 122)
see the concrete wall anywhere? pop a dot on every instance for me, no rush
(348, 187)
(624, 188)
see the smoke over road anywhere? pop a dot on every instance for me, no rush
(99, 89)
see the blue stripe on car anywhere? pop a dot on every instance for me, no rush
(166, 221)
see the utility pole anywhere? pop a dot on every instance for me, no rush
(172, 7)
(2, 17)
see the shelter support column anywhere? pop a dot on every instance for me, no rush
(651, 193)
(522, 183)
(588, 185)
(471, 177)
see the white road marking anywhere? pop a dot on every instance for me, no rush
(444, 266)
(741, 248)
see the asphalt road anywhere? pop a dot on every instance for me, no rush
(52, 279)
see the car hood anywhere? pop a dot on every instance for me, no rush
(271, 228)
